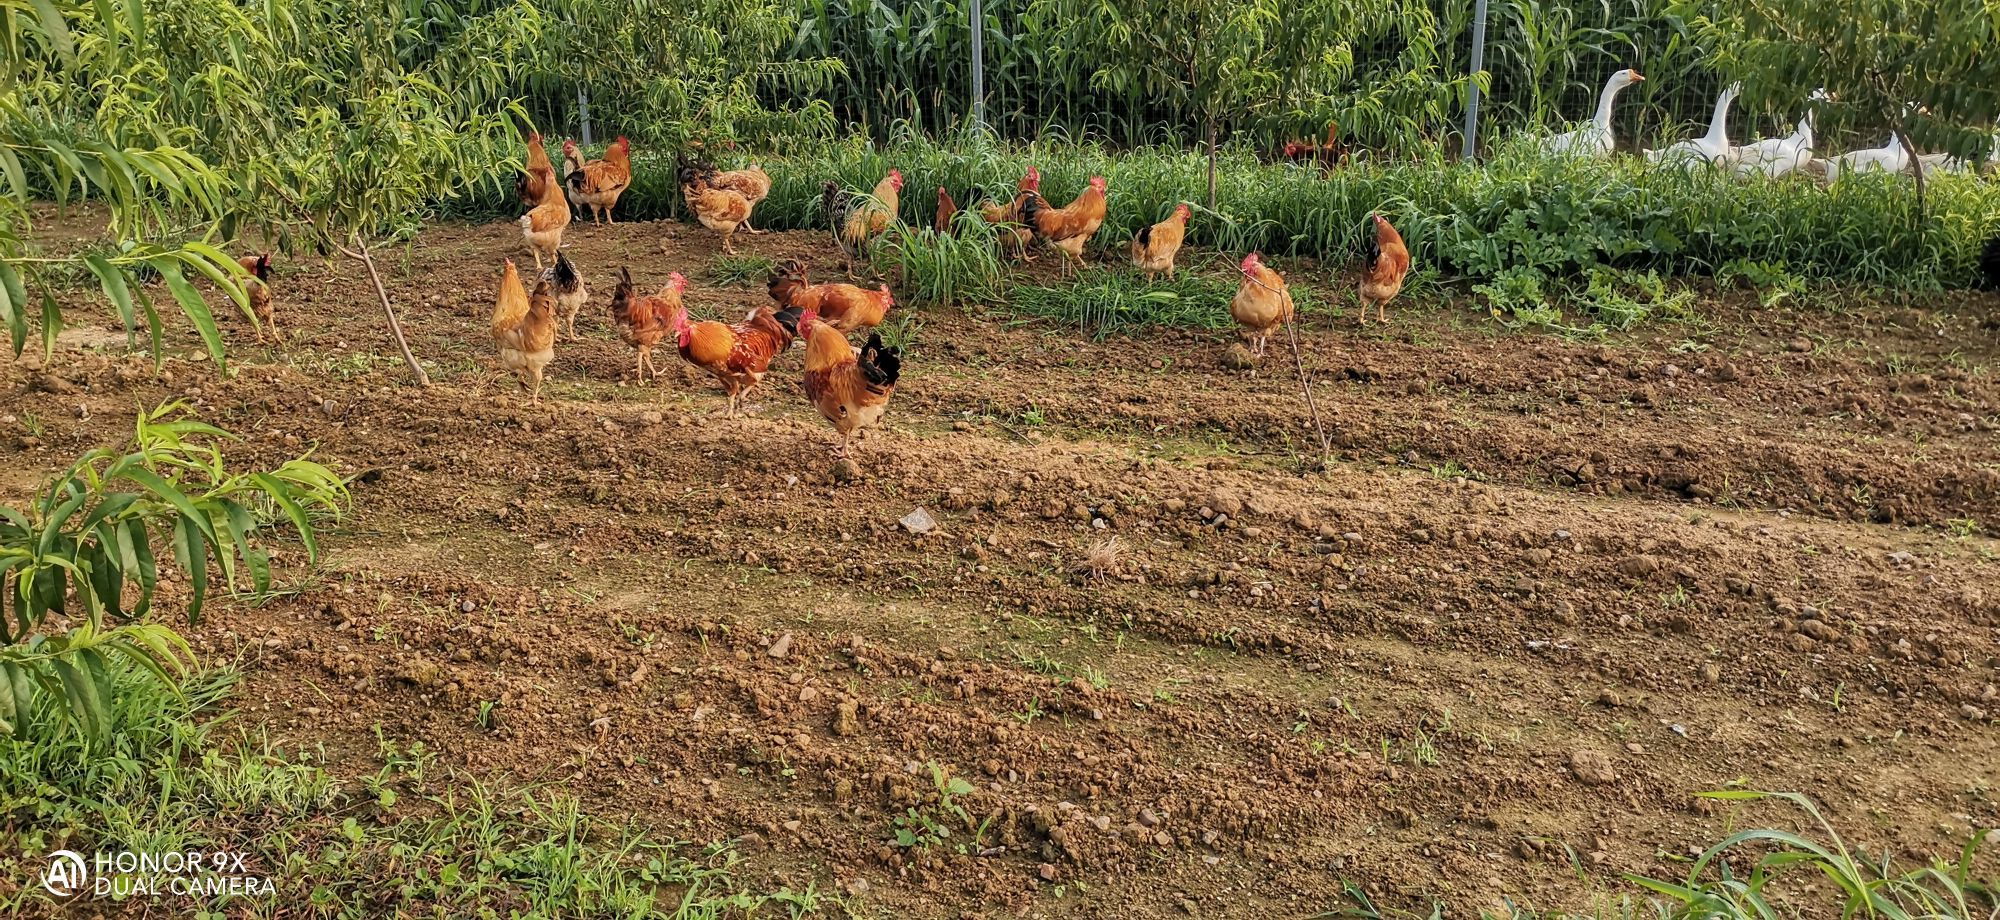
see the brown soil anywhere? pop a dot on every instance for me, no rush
(1546, 593)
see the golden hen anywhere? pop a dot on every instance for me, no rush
(1154, 249)
(1262, 304)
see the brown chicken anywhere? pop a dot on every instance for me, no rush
(855, 223)
(1327, 155)
(846, 307)
(947, 209)
(544, 224)
(851, 390)
(569, 289)
(528, 185)
(719, 209)
(1262, 304)
(754, 184)
(524, 329)
(258, 289)
(737, 354)
(1068, 228)
(1153, 250)
(596, 184)
(1015, 239)
(1388, 264)
(645, 320)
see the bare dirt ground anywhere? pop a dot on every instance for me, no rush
(1548, 592)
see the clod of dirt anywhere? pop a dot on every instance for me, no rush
(1802, 345)
(1238, 358)
(847, 718)
(918, 522)
(1592, 767)
(846, 470)
(780, 648)
(1226, 501)
(1047, 871)
(1637, 566)
(1819, 630)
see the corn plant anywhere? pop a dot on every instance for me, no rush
(1866, 887)
(68, 560)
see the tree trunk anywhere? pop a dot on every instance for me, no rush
(1211, 161)
(1917, 167)
(361, 253)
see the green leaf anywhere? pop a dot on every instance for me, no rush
(55, 29)
(51, 323)
(191, 548)
(13, 306)
(81, 693)
(15, 699)
(192, 304)
(120, 294)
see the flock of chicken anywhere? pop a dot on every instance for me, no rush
(1772, 157)
(850, 387)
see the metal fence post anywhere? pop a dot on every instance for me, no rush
(1472, 89)
(979, 65)
(583, 110)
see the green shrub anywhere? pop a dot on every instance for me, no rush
(70, 557)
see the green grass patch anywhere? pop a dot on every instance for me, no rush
(414, 839)
(741, 270)
(1105, 301)
(1517, 209)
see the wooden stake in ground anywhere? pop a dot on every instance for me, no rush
(1312, 405)
(360, 252)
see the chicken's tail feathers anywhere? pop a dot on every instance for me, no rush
(1032, 206)
(564, 273)
(880, 365)
(832, 204)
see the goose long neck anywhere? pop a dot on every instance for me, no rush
(1718, 123)
(1611, 88)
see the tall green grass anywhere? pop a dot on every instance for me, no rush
(1519, 210)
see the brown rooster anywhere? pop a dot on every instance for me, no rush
(846, 307)
(524, 329)
(947, 209)
(851, 390)
(645, 321)
(1388, 264)
(258, 290)
(1068, 228)
(529, 184)
(597, 184)
(737, 354)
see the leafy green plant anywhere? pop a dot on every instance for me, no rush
(68, 559)
(1773, 281)
(1623, 299)
(1518, 293)
(926, 826)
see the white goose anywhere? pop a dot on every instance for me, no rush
(1889, 158)
(1776, 156)
(1712, 147)
(1594, 139)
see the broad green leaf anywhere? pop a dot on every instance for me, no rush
(192, 304)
